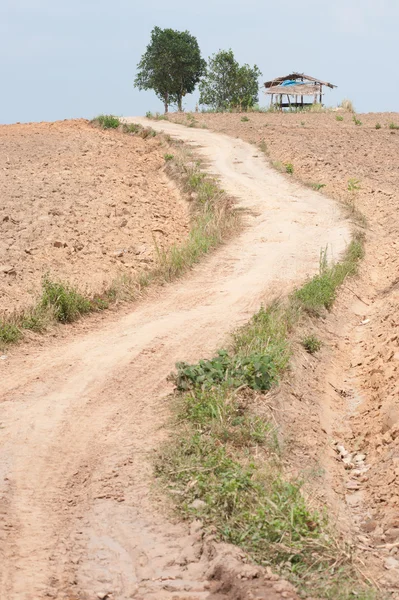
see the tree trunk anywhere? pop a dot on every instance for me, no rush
(180, 103)
(166, 102)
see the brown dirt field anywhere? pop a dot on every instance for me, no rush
(350, 392)
(81, 204)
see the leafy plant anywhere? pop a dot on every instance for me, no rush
(171, 66)
(244, 119)
(256, 371)
(227, 85)
(149, 114)
(339, 118)
(107, 121)
(311, 343)
(356, 121)
(393, 126)
(378, 125)
(353, 185)
(289, 168)
(168, 157)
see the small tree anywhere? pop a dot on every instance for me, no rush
(227, 85)
(171, 66)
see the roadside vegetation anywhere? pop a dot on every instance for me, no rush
(213, 220)
(224, 462)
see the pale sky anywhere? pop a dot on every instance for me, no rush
(77, 58)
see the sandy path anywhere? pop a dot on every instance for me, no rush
(79, 420)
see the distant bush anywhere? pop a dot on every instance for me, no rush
(393, 126)
(356, 121)
(107, 121)
(378, 125)
(339, 118)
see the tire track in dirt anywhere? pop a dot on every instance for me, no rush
(81, 419)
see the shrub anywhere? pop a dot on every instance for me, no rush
(339, 118)
(168, 157)
(311, 344)
(393, 126)
(356, 121)
(378, 125)
(244, 119)
(107, 121)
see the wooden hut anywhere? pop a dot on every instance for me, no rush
(295, 87)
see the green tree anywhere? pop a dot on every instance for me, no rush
(229, 85)
(171, 66)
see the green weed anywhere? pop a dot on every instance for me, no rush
(168, 157)
(378, 125)
(356, 121)
(339, 118)
(393, 126)
(244, 119)
(316, 186)
(353, 185)
(289, 168)
(311, 343)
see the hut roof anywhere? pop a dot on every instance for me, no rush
(295, 76)
(301, 89)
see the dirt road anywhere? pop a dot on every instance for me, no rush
(80, 419)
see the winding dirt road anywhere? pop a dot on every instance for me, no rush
(80, 418)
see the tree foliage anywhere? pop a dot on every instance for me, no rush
(229, 85)
(171, 65)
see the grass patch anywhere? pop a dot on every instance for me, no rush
(66, 303)
(9, 333)
(356, 121)
(378, 125)
(224, 464)
(339, 118)
(244, 119)
(393, 126)
(107, 121)
(319, 293)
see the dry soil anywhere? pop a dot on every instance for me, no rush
(81, 204)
